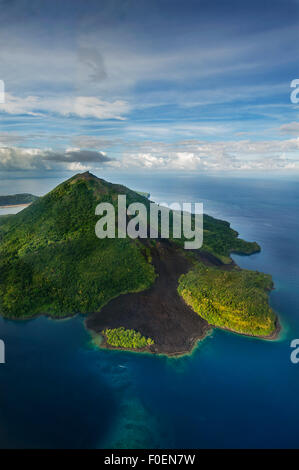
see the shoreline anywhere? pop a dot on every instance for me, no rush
(147, 350)
(272, 337)
(141, 310)
(159, 312)
(104, 345)
(15, 205)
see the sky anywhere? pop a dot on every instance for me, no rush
(148, 86)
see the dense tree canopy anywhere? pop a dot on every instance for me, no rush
(236, 299)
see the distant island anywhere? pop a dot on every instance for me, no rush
(143, 294)
(17, 200)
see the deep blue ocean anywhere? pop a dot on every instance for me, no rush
(58, 391)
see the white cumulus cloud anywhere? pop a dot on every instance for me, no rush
(82, 106)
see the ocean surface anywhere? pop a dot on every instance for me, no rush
(58, 391)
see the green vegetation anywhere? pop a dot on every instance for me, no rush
(52, 262)
(235, 299)
(221, 240)
(129, 339)
(16, 199)
(5, 217)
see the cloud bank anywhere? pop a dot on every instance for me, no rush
(21, 159)
(195, 155)
(158, 85)
(188, 155)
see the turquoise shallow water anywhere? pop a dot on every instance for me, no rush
(56, 390)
